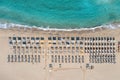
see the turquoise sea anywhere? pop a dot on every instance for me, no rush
(62, 14)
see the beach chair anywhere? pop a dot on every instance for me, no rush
(14, 49)
(72, 59)
(50, 65)
(12, 58)
(35, 49)
(39, 58)
(35, 58)
(10, 41)
(52, 59)
(26, 49)
(32, 59)
(39, 50)
(15, 56)
(9, 59)
(19, 40)
(55, 58)
(62, 59)
(22, 58)
(25, 58)
(19, 58)
(29, 58)
(68, 58)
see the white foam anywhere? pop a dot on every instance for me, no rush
(11, 25)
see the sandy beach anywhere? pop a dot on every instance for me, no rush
(67, 71)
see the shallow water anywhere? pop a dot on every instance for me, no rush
(60, 13)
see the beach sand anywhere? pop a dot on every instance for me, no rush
(39, 71)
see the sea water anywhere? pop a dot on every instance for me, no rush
(61, 14)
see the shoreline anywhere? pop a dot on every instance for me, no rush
(12, 25)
